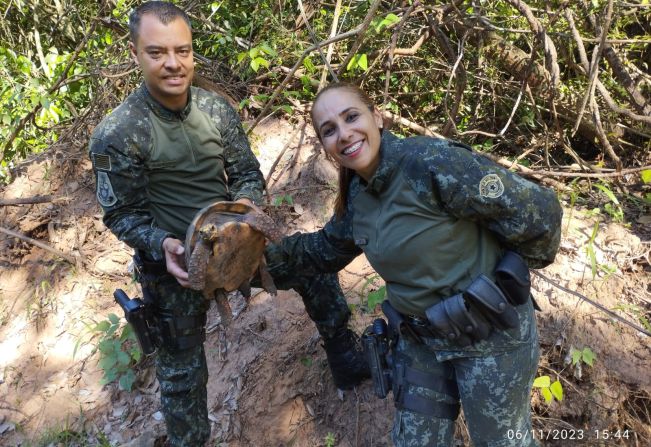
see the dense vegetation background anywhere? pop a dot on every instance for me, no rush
(554, 85)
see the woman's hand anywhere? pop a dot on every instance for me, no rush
(175, 260)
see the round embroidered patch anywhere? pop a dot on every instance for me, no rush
(105, 195)
(491, 186)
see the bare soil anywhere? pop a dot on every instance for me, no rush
(269, 382)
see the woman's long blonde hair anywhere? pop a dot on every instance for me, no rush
(345, 174)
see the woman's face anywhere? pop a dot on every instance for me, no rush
(349, 131)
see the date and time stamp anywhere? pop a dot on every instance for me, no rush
(566, 434)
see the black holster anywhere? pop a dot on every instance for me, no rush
(174, 332)
(139, 317)
(376, 347)
(397, 375)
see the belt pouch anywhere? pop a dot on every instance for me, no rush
(494, 306)
(512, 276)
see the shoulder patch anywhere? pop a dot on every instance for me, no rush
(102, 161)
(105, 195)
(491, 187)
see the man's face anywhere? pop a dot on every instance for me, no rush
(164, 54)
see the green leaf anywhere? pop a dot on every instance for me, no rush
(363, 62)
(557, 390)
(547, 394)
(127, 332)
(123, 358)
(542, 382)
(576, 356)
(127, 380)
(102, 326)
(352, 64)
(111, 330)
(114, 318)
(267, 49)
(136, 353)
(108, 362)
(241, 56)
(588, 356)
(376, 297)
(389, 20)
(262, 62)
(289, 199)
(646, 175)
(106, 346)
(309, 65)
(306, 361)
(608, 193)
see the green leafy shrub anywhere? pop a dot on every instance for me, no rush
(118, 351)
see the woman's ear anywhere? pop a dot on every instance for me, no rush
(378, 118)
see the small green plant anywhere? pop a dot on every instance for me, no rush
(380, 23)
(613, 208)
(373, 297)
(359, 61)
(69, 437)
(118, 351)
(549, 390)
(41, 303)
(330, 440)
(306, 361)
(638, 312)
(584, 355)
(286, 198)
(258, 56)
(596, 266)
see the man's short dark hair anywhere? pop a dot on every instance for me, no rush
(164, 11)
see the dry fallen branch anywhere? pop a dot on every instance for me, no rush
(358, 30)
(360, 35)
(551, 61)
(26, 200)
(71, 259)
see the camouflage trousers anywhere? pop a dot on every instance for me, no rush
(494, 379)
(183, 374)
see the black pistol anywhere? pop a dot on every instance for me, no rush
(135, 312)
(376, 346)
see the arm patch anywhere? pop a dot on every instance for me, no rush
(102, 161)
(105, 195)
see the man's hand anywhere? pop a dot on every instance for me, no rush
(175, 260)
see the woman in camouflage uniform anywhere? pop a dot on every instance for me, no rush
(435, 220)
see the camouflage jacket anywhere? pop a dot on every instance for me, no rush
(432, 218)
(156, 168)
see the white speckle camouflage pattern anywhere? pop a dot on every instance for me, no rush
(433, 217)
(165, 166)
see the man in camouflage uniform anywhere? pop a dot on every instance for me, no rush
(438, 223)
(165, 153)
